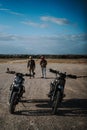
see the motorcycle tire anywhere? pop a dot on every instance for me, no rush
(13, 103)
(56, 102)
(51, 99)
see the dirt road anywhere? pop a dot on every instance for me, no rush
(34, 112)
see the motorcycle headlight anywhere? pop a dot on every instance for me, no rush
(56, 80)
(60, 87)
(16, 85)
(13, 83)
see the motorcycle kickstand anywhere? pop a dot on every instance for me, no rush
(23, 104)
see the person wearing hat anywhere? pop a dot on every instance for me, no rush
(43, 64)
(31, 66)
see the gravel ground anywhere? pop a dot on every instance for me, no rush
(34, 112)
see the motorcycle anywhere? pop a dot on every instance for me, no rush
(16, 91)
(56, 93)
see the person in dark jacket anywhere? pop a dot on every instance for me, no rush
(31, 66)
(43, 64)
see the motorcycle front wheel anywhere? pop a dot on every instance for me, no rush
(56, 102)
(13, 103)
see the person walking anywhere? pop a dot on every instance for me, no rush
(31, 66)
(43, 64)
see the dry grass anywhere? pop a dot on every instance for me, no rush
(74, 61)
(12, 60)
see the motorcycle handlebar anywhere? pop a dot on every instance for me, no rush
(54, 71)
(19, 74)
(57, 72)
(72, 76)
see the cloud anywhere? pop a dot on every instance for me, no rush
(59, 21)
(7, 37)
(34, 24)
(45, 19)
(4, 9)
(3, 27)
(11, 12)
(52, 44)
(14, 37)
(78, 37)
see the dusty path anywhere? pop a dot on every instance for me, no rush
(34, 113)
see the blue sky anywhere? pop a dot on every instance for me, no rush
(43, 27)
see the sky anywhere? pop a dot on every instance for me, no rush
(43, 27)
